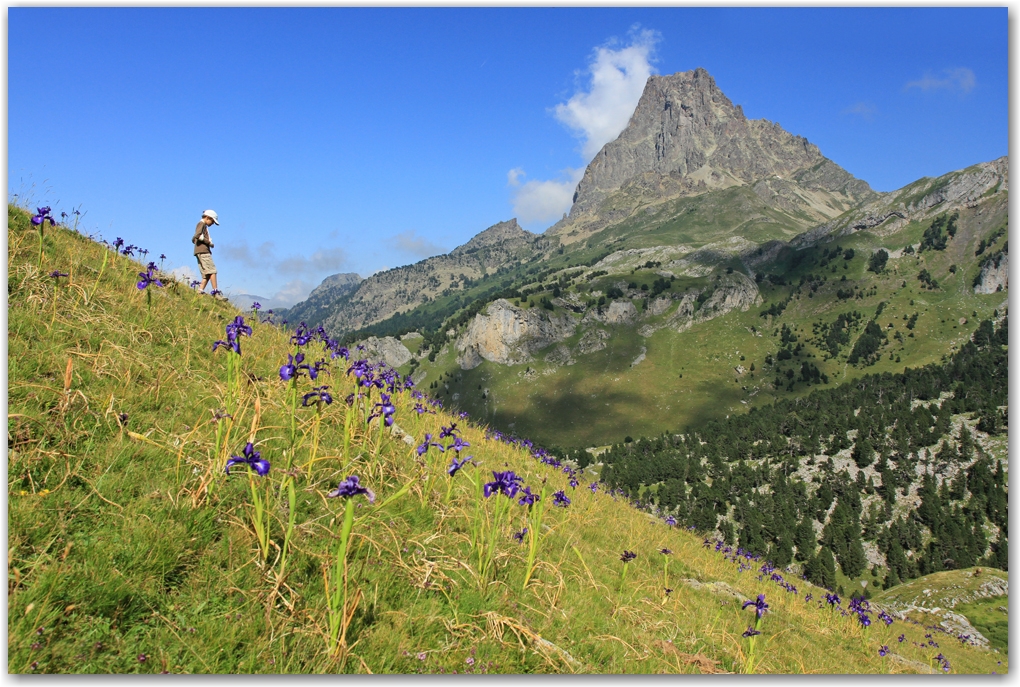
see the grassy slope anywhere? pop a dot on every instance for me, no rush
(129, 551)
(959, 590)
(651, 397)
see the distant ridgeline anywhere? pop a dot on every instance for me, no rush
(765, 478)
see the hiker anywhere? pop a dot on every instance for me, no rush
(203, 254)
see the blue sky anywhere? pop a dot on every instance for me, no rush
(357, 139)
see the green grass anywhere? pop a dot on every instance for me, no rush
(988, 616)
(961, 591)
(129, 550)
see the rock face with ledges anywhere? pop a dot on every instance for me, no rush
(994, 275)
(509, 335)
(387, 349)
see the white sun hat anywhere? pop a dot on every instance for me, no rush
(211, 214)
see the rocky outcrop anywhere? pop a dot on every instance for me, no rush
(620, 312)
(734, 292)
(387, 349)
(738, 292)
(918, 201)
(591, 341)
(509, 335)
(994, 274)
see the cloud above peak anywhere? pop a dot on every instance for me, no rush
(543, 201)
(617, 78)
(960, 80)
(417, 246)
(596, 114)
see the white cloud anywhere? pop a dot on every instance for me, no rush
(294, 291)
(184, 273)
(865, 110)
(596, 114)
(618, 77)
(959, 79)
(418, 246)
(258, 258)
(544, 201)
(329, 260)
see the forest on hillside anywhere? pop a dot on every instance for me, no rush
(776, 480)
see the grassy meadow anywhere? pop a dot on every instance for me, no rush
(131, 551)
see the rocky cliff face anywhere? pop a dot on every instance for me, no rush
(685, 138)
(387, 349)
(509, 335)
(994, 276)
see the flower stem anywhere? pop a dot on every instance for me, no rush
(337, 598)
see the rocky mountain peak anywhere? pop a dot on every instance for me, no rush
(687, 137)
(495, 235)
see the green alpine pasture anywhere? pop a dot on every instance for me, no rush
(131, 551)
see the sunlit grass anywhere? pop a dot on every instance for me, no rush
(129, 550)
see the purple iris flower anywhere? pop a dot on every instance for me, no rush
(320, 395)
(457, 465)
(385, 410)
(252, 459)
(901, 638)
(594, 486)
(289, 370)
(428, 442)
(560, 499)
(832, 599)
(864, 619)
(506, 483)
(43, 216)
(670, 520)
(162, 257)
(519, 536)
(448, 431)
(573, 483)
(56, 274)
(463, 415)
(885, 618)
(239, 327)
(458, 444)
(118, 243)
(152, 267)
(751, 632)
(628, 556)
(419, 408)
(351, 487)
(148, 278)
(194, 283)
(527, 498)
(256, 306)
(665, 552)
(759, 605)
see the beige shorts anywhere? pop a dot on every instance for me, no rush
(205, 264)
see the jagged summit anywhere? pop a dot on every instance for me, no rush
(494, 235)
(686, 137)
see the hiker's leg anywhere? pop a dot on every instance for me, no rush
(205, 280)
(213, 278)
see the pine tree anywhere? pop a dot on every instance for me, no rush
(805, 539)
